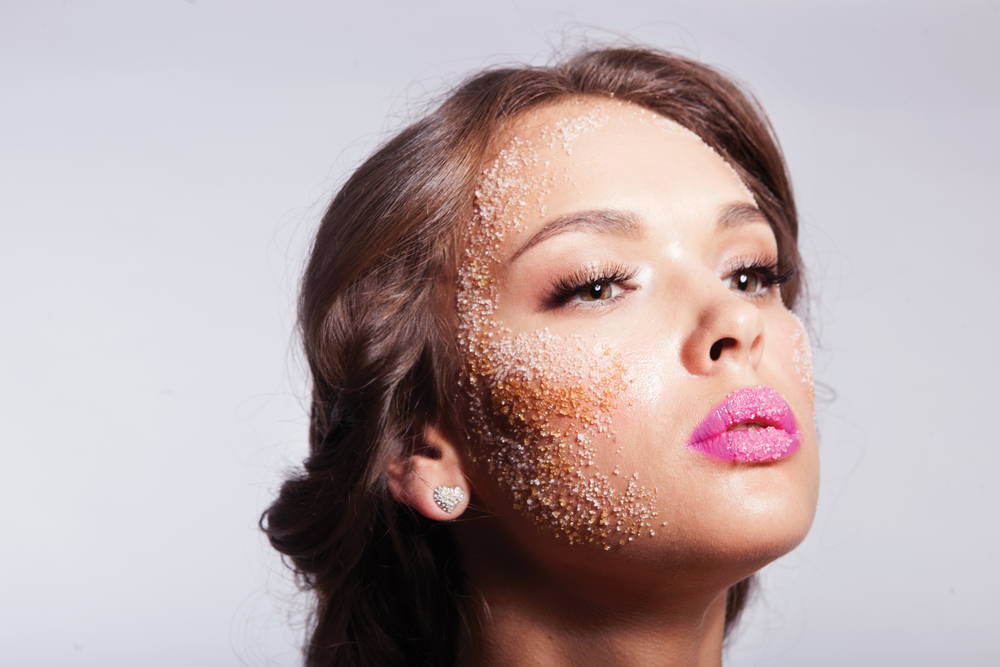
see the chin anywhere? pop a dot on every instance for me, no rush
(768, 511)
(735, 521)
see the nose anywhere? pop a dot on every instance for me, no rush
(728, 335)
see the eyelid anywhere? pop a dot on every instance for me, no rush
(749, 260)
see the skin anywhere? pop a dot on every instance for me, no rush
(561, 591)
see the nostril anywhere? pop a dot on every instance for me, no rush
(716, 350)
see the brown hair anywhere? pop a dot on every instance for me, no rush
(375, 323)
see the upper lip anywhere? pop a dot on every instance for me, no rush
(757, 404)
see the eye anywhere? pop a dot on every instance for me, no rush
(593, 285)
(755, 277)
(748, 281)
(597, 291)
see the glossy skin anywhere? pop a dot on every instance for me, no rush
(657, 598)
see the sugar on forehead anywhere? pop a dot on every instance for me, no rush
(585, 114)
(504, 192)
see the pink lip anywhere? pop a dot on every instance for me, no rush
(761, 405)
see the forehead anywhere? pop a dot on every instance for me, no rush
(587, 152)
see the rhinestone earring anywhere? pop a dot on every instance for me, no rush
(448, 497)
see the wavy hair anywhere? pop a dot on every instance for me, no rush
(378, 333)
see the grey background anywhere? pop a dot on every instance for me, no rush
(163, 165)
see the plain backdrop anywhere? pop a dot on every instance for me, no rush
(163, 166)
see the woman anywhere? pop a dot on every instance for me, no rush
(562, 410)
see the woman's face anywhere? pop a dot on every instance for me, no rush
(604, 311)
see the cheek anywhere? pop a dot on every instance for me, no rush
(543, 406)
(801, 357)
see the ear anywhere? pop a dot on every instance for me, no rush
(431, 480)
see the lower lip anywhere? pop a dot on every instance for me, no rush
(751, 445)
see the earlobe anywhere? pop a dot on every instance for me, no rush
(431, 481)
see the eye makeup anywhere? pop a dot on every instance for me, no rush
(760, 270)
(597, 279)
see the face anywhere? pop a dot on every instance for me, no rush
(617, 285)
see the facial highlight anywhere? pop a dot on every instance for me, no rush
(546, 377)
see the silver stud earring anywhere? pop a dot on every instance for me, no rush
(448, 497)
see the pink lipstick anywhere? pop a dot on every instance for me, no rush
(752, 424)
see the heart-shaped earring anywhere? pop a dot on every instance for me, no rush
(448, 497)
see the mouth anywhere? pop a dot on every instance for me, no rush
(751, 425)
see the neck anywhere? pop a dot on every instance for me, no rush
(564, 616)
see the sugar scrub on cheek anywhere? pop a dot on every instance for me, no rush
(541, 408)
(802, 359)
(540, 404)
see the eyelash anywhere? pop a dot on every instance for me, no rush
(563, 289)
(766, 270)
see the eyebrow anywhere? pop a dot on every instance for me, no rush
(737, 214)
(629, 224)
(601, 220)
